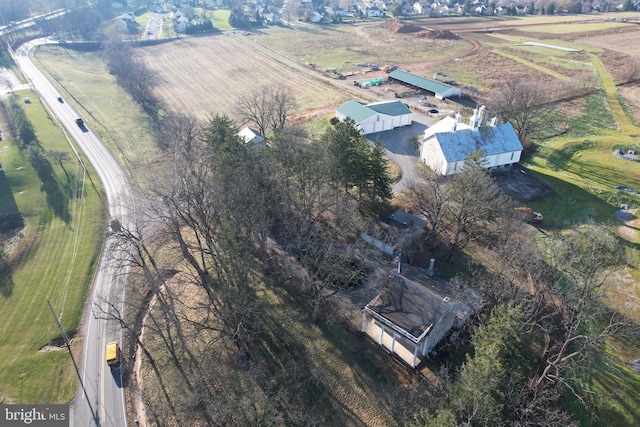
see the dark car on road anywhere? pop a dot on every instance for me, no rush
(627, 189)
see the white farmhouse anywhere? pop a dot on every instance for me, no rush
(375, 117)
(449, 142)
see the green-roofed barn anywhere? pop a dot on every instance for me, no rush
(438, 89)
(376, 117)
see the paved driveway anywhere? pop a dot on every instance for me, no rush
(401, 149)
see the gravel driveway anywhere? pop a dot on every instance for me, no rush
(401, 149)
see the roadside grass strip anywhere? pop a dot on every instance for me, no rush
(53, 261)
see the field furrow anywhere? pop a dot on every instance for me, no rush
(205, 76)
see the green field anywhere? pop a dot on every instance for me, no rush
(220, 19)
(54, 261)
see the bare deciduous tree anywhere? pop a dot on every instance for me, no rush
(522, 103)
(429, 196)
(474, 201)
(266, 108)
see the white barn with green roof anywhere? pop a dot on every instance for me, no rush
(438, 89)
(375, 117)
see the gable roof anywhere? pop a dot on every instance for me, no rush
(415, 303)
(356, 110)
(444, 125)
(390, 108)
(249, 135)
(360, 112)
(421, 82)
(456, 146)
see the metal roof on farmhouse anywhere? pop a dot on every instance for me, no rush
(457, 145)
(421, 82)
(360, 112)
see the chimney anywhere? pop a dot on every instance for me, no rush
(494, 121)
(484, 115)
(474, 121)
(430, 271)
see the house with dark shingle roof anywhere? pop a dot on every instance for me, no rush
(415, 311)
(375, 117)
(449, 142)
(438, 89)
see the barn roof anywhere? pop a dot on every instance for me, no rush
(360, 112)
(457, 145)
(390, 108)
(421, 82)
(356, 110)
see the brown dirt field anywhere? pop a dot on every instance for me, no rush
(623, 40)
(205, 76)
(631, 95)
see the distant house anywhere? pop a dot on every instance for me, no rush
(449, 142)
(420, 8)
(438, 89)
(414, 313)
(375, 117)
(250, 136)
(373, 12)
(271, 18)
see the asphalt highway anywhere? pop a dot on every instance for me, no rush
(100, 398)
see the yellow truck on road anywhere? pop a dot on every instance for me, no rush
(113, 354)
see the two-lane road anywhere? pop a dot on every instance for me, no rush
(100, 397)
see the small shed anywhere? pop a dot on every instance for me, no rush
(250, 136)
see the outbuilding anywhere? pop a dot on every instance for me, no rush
(250, 136)
(375, 117)
(438, 89)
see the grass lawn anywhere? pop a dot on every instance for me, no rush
(220, 19)
(54, 261)
(109, 111)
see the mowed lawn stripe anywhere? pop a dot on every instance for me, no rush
(27, 323)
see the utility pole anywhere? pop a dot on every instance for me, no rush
(22, 374)
(66, 341)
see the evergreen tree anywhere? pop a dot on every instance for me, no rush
(380, 186)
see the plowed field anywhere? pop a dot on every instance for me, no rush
(204, 76)
(620, 41)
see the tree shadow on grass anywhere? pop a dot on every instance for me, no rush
(56, 198)
(10, 222)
